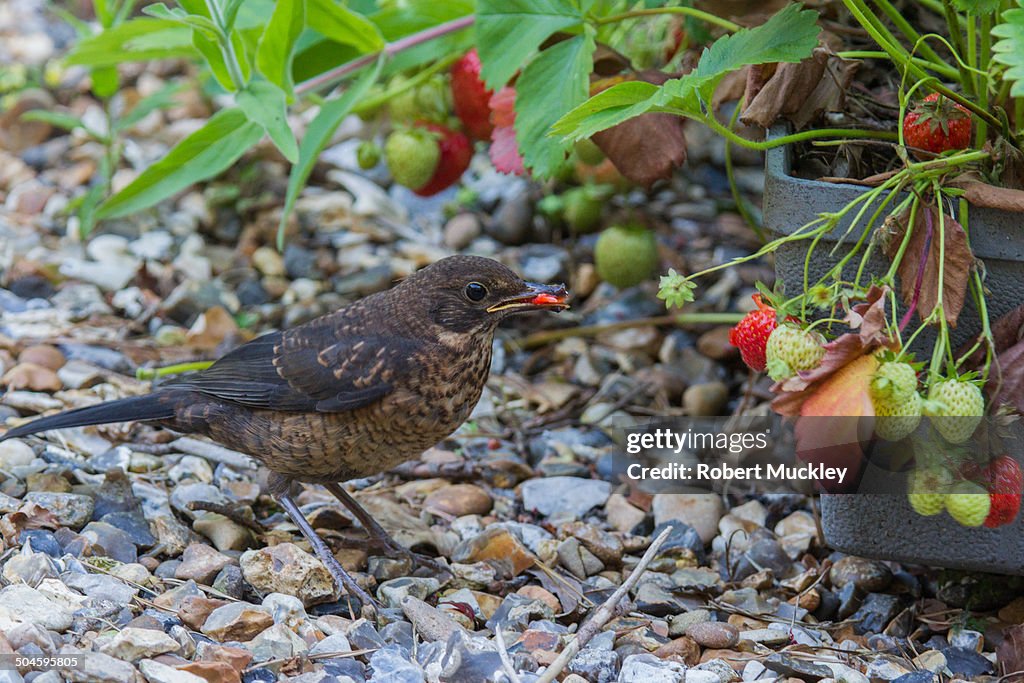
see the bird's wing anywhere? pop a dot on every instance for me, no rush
(310, 368)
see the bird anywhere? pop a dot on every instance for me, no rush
(347, 395)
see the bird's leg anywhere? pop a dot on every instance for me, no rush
(377, 533)
(341, 577)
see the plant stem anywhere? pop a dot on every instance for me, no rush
(686, 11)
(737, 197)
(226, 46)
(795, 137)
(942, 69)
(984, 62)
(391, 49)
(904, 26)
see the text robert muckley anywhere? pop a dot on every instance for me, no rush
(759, 472)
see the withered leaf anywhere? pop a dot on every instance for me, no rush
(980, 193)
(646, 148)
(1008, 331)
(1006, 382)
(799, 92)
(869, 320)
(1010, 653)
(919, 268)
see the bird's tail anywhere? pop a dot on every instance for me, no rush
(157, 406)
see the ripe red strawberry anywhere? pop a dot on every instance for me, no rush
(1005, 481)
(471, 97)
(456, 153)
(751, 334)
(937, 124)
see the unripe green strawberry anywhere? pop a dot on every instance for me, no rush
(791, 349)
(626, 255)
(583, 207)
(367, 154)
(894, 382)
(956, 408)
(412, 156)
(927, 490)
(588, 152)
(428, 101)
(968, 504)
(896, 420)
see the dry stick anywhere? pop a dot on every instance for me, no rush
(214, 453)
(506, 661)
(604, 613)
(548, 336)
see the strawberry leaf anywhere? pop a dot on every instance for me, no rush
(509, 31)
(1009, 49)
(550, 85)
(789, 36)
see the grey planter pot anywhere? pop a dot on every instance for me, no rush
(877, 525)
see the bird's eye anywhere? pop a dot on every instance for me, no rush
(475, 291)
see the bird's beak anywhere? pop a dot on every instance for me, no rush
(534, 297)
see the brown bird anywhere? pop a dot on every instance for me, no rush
(348, 395)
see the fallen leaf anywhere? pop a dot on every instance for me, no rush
(919, 269)
(1006, 383)
(646, 148)
(799, 92)
(504, 151)
(1010, 653)
(211, 328)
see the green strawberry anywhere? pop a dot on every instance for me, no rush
(968, 504)
(584, 206)
(428, 101)
(791, 349)
(412, 156)
(626, 255)
(896, 420)
(956, 408)
(588, 152)
(367, 154)
(894, 382)
(927, 490)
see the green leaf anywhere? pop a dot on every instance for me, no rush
(161, 99)
(176, 14)
(1009, 49)
(509, 31)
(789, 36)
(977, 7)
(54, 118)
(552, 84)
(318, 134)
(265, 104)
(274, 54)
(203, 154)
(337, 22)
(141, 39)
(104, 81)
(231, 8)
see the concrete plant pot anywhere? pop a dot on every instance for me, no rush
(882, 525)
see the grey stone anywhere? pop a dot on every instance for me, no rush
(131, 644)
(599, 666)
(19, 604)
(392, 592)
(570, 495)
(646, 668)
(71, 509)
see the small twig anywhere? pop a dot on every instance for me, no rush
(234, 514)
(604, 613)
(683, 319)
(506, 661)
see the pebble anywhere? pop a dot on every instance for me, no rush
(268, 261)
(714, 634)
(706, 399)
(392, 592)
(72, 510)
(15, 453)
(701, 511)
(20, 603)
(459, 499)
(224, 533)
(621, 514)
(573, 496)
(132, 644)
(237, 621)
(498, 547)
(461, 229)
(96, 666)
(158, 672)
(867, 575)
(109, 541)
(286, 568)
(276, 642)
(596, 665)
(646, 668)
(201, 563)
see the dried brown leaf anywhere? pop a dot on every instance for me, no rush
(980, 193)
(646, 148)
(923, 253)
(1006, 384)
(1010, 653)
(799, 92)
